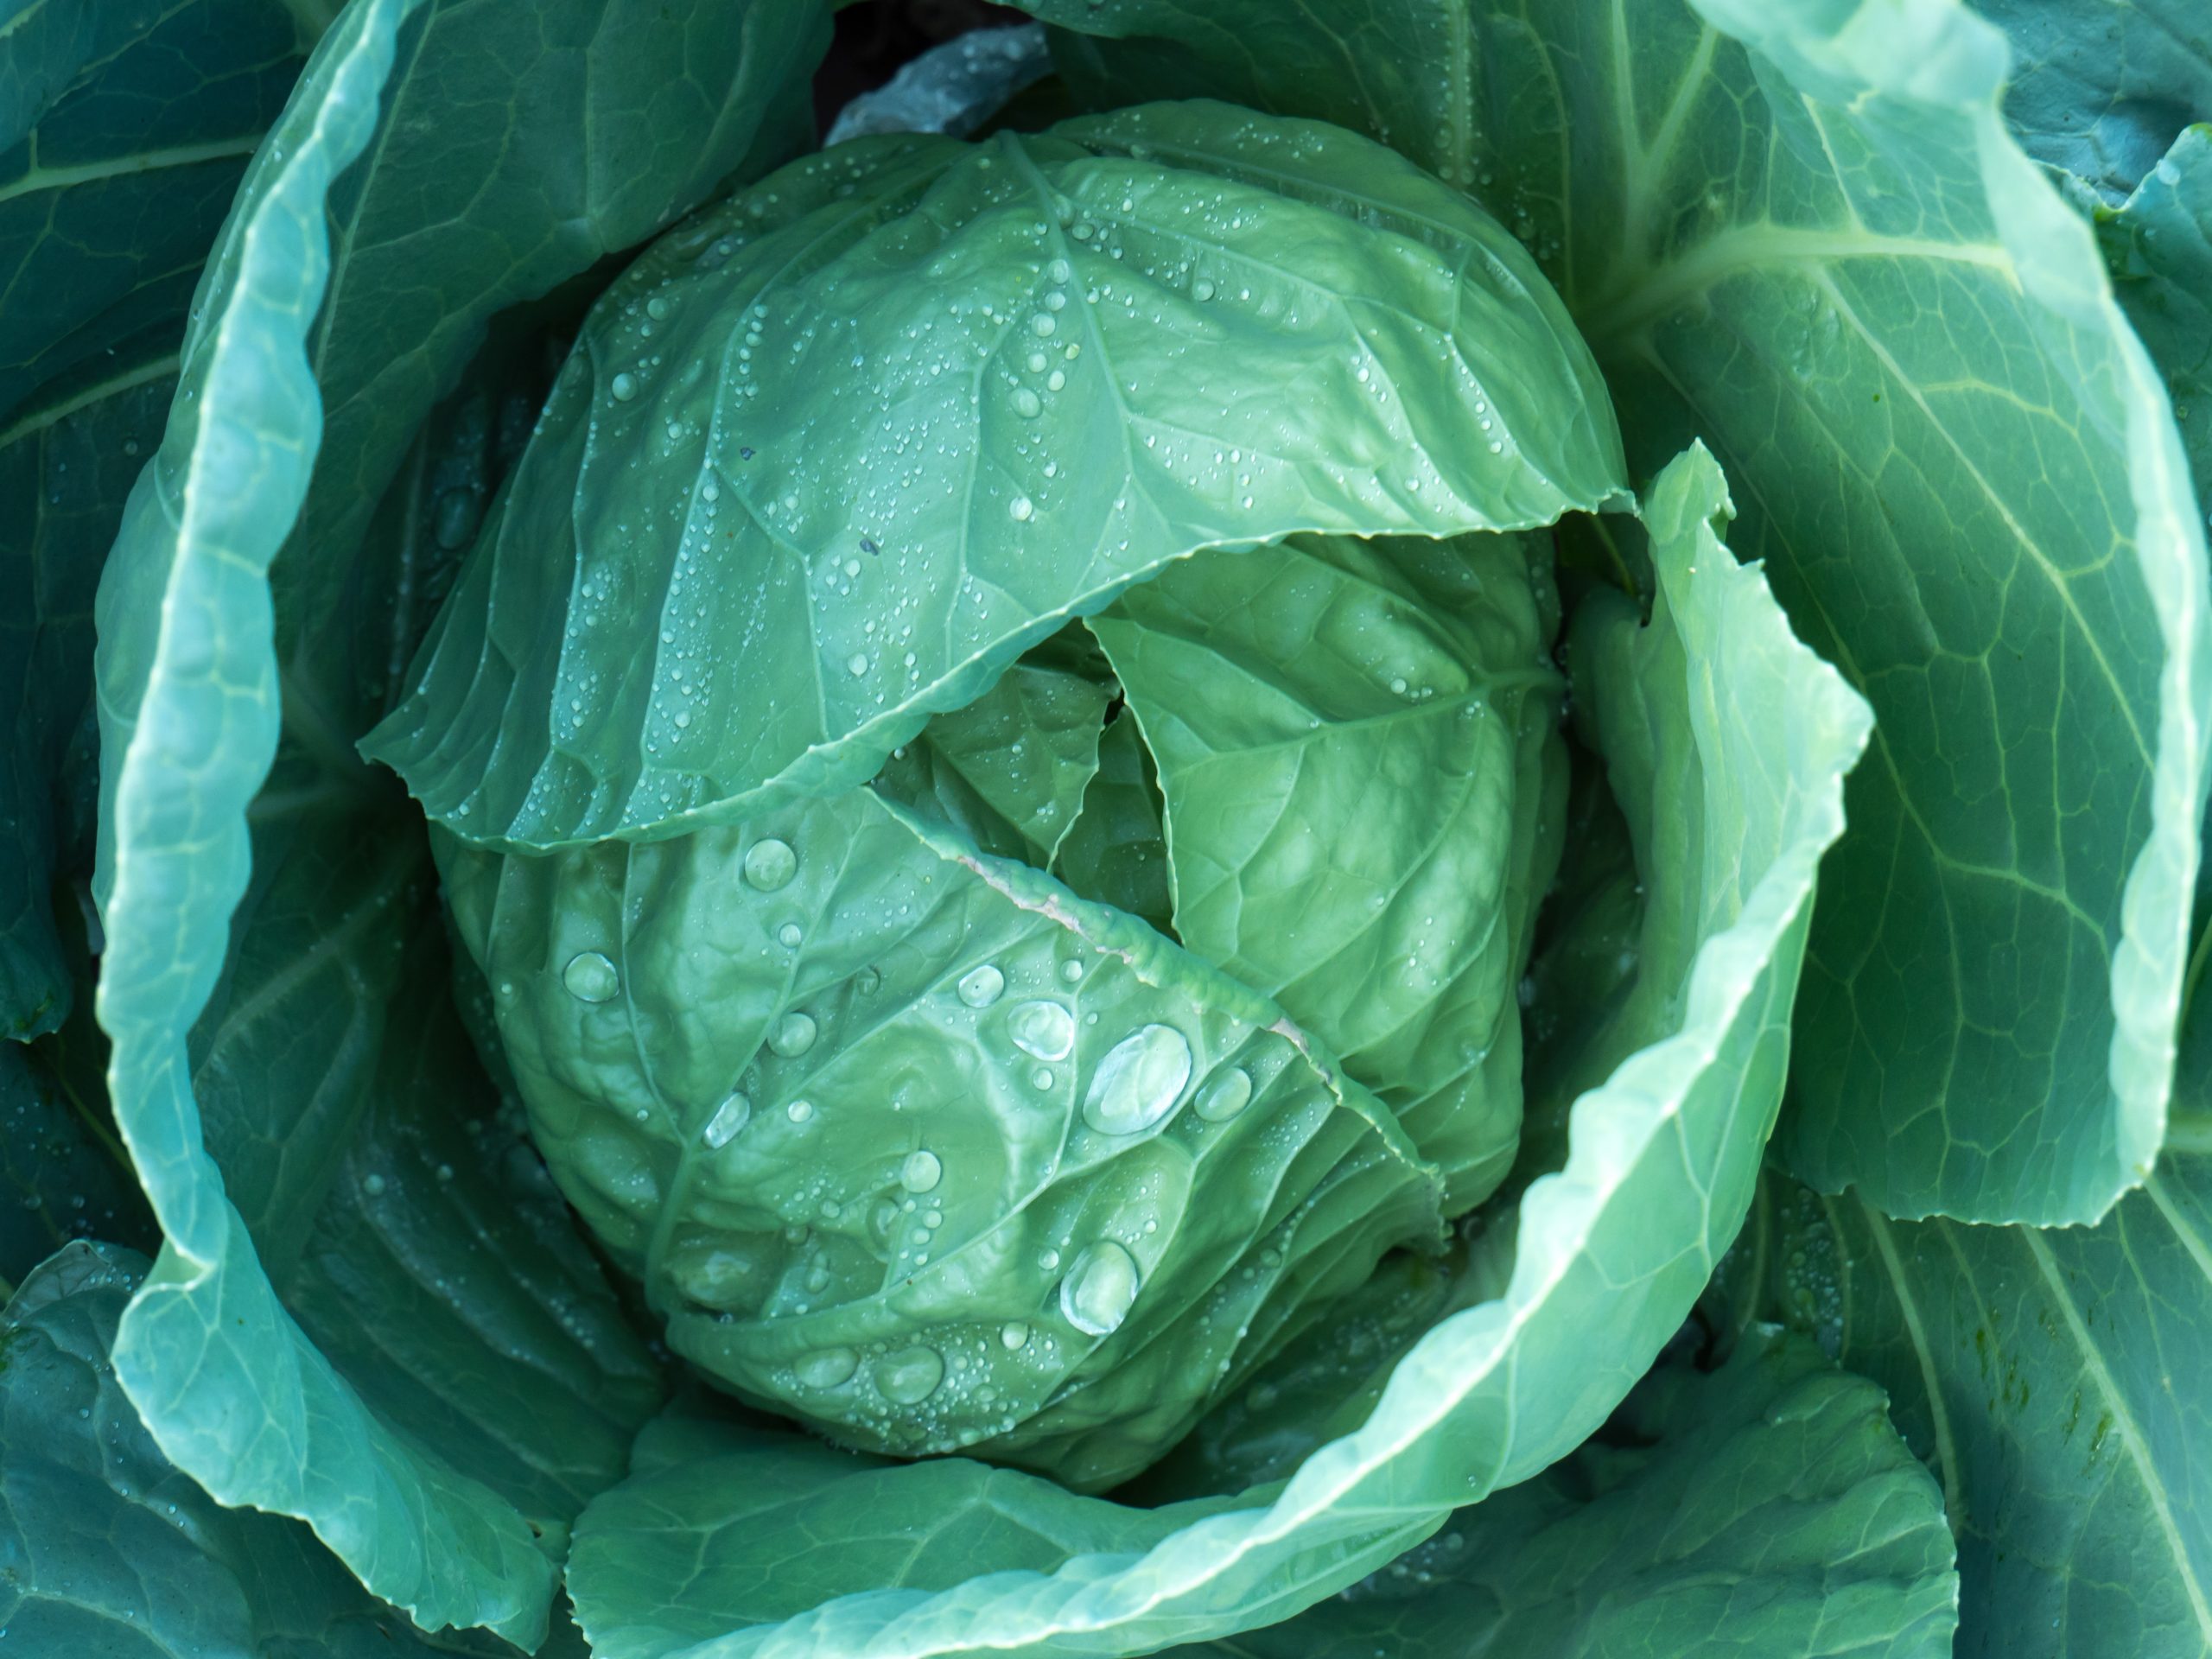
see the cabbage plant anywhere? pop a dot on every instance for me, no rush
(1357, 829)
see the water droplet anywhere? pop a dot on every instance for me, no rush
(770, 864)
(1048, 1258)
(733, 1115)
(827, 1367)
(921, 1171)
(1044, 324)
(789, 936)
(1100, 1289)
(656, 308)
(793, 1036)
(1059, 270)
(1071, 971)
(624, 386)
(457, 515)
(910, 1376)
(856, 665)
(1224, 1095)
(980, 986)
(799, 1110)
(1139, 1081)
(868, 980)
(1013, 1336)
(373, 1185)
(590, 977)
(1027, 403)
(1042, 1076)
(1202, 290)
(1020, 508)
(1043, 1029)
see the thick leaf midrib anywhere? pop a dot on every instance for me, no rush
(1939, 1408)
(2130, 1432)
(1837, 645)
(40, 178)
(2059, 586)
(39, 420)
(1622, 314)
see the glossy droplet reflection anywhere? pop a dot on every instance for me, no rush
(910, 1376)
(921, 1171)
(1044, 1030)
(1224, 1095)
(770, 864)
(827, 1367)
(1100, 1289)
(980, 986)
(793, 1036)
(591, 977)
(1013, 1336)
(732, 1116)
(1139, 1081)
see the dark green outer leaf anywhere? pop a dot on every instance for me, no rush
(2052, 1379)
(1801, 230)
(1768, 1511)
(124, 128)
(721, 552)
(2102, 89)
(110, 1552)
(188, 703)
(447, 1494)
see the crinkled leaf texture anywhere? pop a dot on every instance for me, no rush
(1595, 1267)
(371, 1309)
(1768, 1511)
(726, 576)
(889, 1131)
(110, 1549)
(1802, 232)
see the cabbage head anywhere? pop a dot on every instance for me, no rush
(1366, 828)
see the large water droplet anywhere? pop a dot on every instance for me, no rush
(980, 986)
(921, 1171)
(793, 1036)
(910, 1376)
(770, 864)
(1100, 1289)
(1013, 1336)
(729, 1117)
(1044, 1029)
(1027, 403)
(1020, 507)
(591, 977)
(1224, 1095)
(826, 1368)
(624, 386)
(1139, 1081)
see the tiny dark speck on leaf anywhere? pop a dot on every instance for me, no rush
(745, 454)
